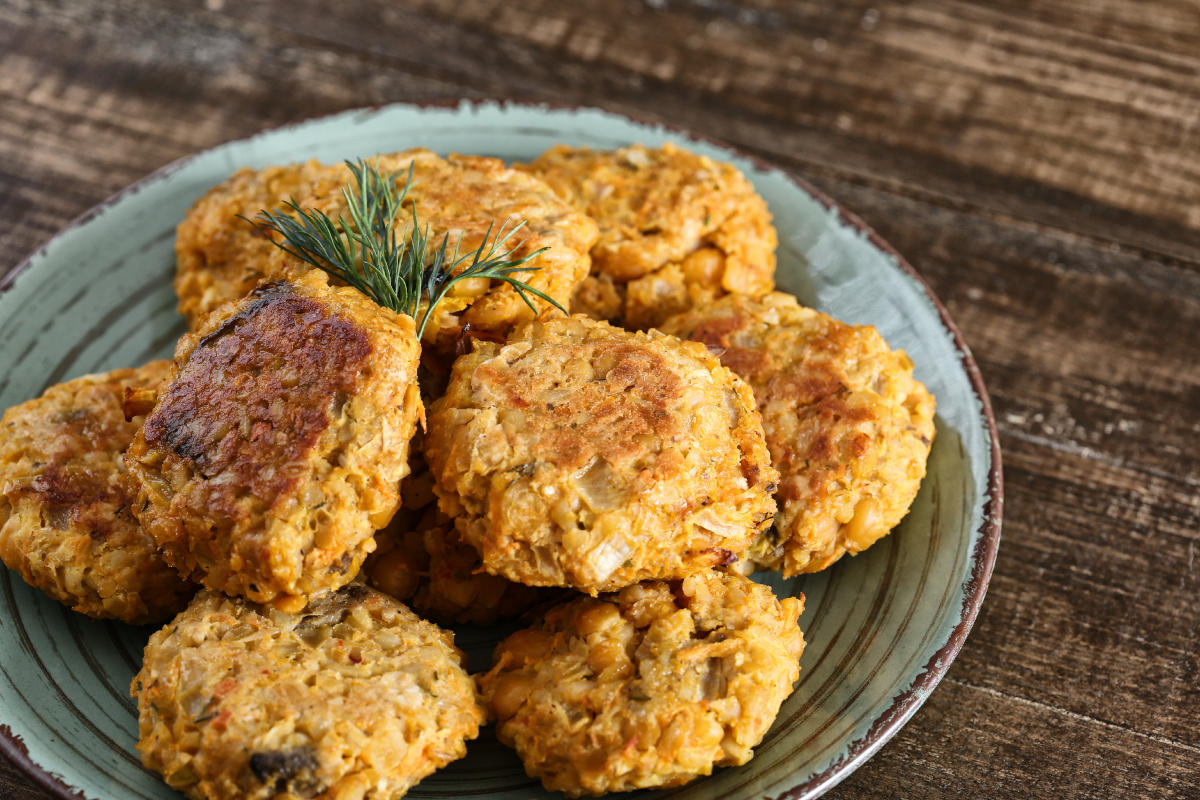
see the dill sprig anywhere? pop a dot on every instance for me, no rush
(402, 272)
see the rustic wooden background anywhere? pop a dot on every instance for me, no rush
(1038, 161)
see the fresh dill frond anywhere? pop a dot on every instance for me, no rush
(402, 272)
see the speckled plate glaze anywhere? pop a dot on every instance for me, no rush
(882, 628)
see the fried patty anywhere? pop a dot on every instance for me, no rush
(221, 257)
(278, 447)
(677, 229)
(353, 697)
(649, 687)
(579, 454)
(65, 497)
(848, 426)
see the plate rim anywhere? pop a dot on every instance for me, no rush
(983, 556)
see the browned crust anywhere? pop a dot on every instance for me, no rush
(251, 369)
(582, 455)
(277, 449)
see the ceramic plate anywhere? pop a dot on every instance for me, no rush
(882, 628)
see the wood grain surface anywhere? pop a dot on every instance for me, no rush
(1038, 161)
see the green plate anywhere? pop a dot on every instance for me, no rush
(882, 628)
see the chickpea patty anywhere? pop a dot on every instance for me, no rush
(677, 229)
(578, 454)
(848, 426)
(65, 501)
(221, 257)
(278, 448)
(649, 687)
(353, 697)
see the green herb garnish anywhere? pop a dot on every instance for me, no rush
(401, 272)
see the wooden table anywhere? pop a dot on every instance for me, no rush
(1038, 161)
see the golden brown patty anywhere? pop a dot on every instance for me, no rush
(65, 497)
(221, 257)
(648, 687)
(677, 229)
(579, 454)
(355, 696)
(848, 426)
(278, 448)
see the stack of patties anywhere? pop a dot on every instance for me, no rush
(630, 466)
(275, 453)
(266, 466)
(612, 475)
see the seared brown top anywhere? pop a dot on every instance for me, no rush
(252, 399)
(579, 454)
(617, 417)
(277, 450)
(74, 493)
